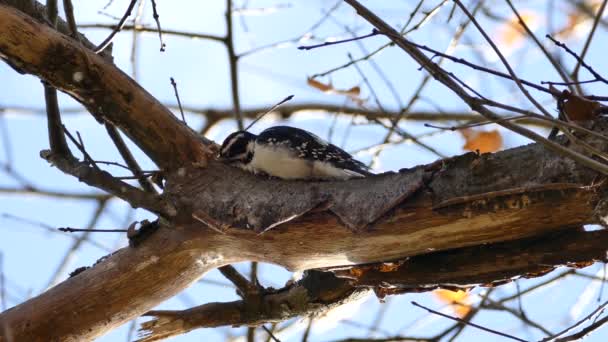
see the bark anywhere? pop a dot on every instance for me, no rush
(316, 293)
(466, 201)
(460, 205)
(107, 92)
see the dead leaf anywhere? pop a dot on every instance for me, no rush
(482, 141)
(389, 267)
(578, 108)
(578, 22)
(459, 301)
(326, 88)
(353, 93)
(511, 34)
(356, 272)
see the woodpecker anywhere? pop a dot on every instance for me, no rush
(290, 153)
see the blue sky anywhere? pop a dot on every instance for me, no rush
(32, 254)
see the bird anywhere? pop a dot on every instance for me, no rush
(290, 153)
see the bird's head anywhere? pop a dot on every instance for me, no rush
(238, 147)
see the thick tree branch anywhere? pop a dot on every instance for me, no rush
(467, 201)
(103, 180)
(316, 293)
(105, 91)
(475, 103)
(489, 265)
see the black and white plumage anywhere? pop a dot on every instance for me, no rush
(290, 153)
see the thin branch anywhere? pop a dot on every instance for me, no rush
(476, 104)
(91, 230)
(55, 127)
(558, 67)
(148, 29)
(581, 334)
(598, 311)
(580, 60)
(310, 47)
(52, 11)
(503, 59)
(179, 102)
(69, 15)
(60, 270)
(128, 157)
(103, 45)
(469, 323)
(157, 20)
(57, 140)
(233, 63)
(103, 180)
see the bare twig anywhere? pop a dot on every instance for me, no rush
(148, 29)
(580, 60)
(558, 67)
(179, 102)
(157, 20)
(598, 311)
(310, 47)
(69, 15)
(105, 181)
(469, 323)
(128, 157)
(75, 230)
(233, 62)
(476, 104)
(270, 334)
(60, 270)
(117, 29)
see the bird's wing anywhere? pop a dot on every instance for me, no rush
(311, 147)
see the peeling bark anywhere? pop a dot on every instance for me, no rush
(315, 294)
(465, 201)
(318, 292)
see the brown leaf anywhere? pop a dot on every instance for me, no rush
(326, 88)
(353, 93)
(481, 141)
(578, 108)
(356, 272)
(460, 301)
(511, 34)
(389, 267)
(578, 22)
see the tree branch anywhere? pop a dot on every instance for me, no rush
(108, 93)
(315, 293)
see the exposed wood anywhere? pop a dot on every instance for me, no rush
(487, 265)
(467, 201)
(122, 286)
(318, 292)
(107, 92)
(134, 280)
